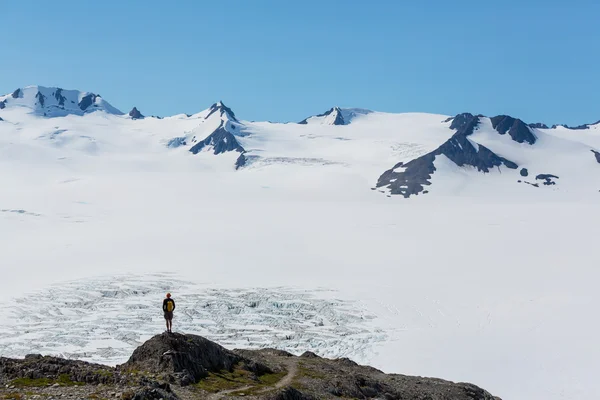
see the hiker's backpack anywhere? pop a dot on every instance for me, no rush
(170, 305)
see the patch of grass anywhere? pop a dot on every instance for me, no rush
(271, 379)
(63, 380)
(28, 382)
(310, 373)
(104, 372)
(216, 382)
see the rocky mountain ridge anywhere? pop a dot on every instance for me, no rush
(177, 366)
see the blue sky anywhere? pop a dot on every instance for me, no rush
(284, 60)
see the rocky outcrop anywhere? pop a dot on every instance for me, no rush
(165, 366)
(517, 129)
(548, 179)
(186, 358)
(87, 101)
(338, 118)
(221, 141)
(524, 172)
(40, 98)
(597, 155)
(538, 125)
(2, 104)
(16, 94)
(135, 114)
(59, 97)
(410, 178)
(222, 110)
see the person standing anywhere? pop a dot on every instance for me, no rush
(168, 308)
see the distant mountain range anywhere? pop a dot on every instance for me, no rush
(414, 153)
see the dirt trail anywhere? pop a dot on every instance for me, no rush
(292, 371)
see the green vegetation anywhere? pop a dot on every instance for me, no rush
(310, 373)
(104, 372)
(63, 380)
(271, 379)
(226, 380)
(239, 379)
(28, 382)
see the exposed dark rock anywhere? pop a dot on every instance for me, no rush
(597, 154)
(221, 108)
(87, 101)
(241, 161)
(460, 121)
(186, 358)
(59, 97)
(339, 119)
(517, 129)
(547, 178)
(1, 119)
(221, 140)
(40, 97)
(309, 354)
(524, 172)
(154, 394)
(417, 173)
(2, 104)
(290, 393)
(538, 125)
(37, 367)
(135, 114)
(17, 93)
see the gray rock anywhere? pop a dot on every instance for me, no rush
(597, 154)
(524, 172)
(87, 101)
(339, 119)
(135, 114)
(221, 140)
(417, 173)
(17, 93)
(186, 358)
(517, 129)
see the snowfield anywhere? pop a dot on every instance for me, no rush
(483, 279)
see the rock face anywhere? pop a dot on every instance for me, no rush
(334, 114)
(87, 101)
(221, 141)
(410, 178)
(547, 178)
(538, 125)
(135, 114)
(35, 366)
(187, 358)
(517, 129)
(2, 104)
(597, 155)
(222, 110)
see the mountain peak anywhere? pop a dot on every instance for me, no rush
(56, 102)
(136, 114)
(222, 110)
(333, 116)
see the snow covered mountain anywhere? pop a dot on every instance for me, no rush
(335, 116)
(401, 154)
(56, 102)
